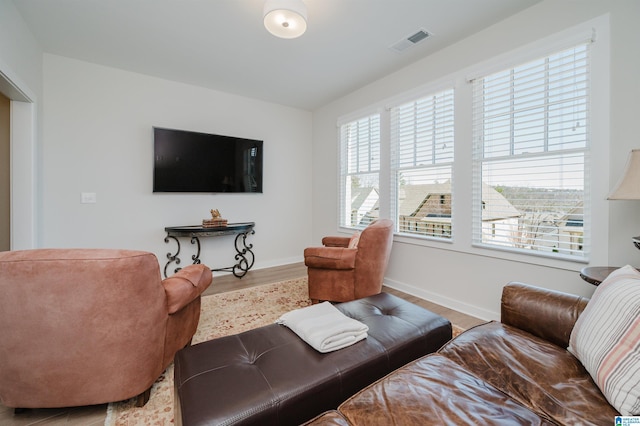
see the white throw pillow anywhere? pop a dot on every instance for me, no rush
(606, 339)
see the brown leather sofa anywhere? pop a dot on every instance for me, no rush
(83, 327)
(340, 271)
(516, 371)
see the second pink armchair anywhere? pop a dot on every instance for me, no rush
(340, 273)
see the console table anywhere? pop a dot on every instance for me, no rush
(244, 256)
(596, 274)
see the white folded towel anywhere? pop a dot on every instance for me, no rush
(324, 327)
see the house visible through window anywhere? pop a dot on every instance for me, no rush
(359, 171)
(531, 154)
(520, 127)
(422, 142)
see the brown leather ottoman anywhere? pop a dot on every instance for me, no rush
(269, 376)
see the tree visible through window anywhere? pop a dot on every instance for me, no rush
(531, 151)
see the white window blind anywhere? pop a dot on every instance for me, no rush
(359, 171)
(531, 155)
(422, 138)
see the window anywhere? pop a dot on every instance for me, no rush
(531, 155)
(421, 165)
(359, 171)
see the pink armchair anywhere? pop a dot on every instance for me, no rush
(89, 326)
(340, 273)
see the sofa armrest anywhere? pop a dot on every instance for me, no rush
(186, 285)
(330, 257)
(547, 314)
(336, 241)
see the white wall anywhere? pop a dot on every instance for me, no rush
(20, 54)
(625, 91)
(457, 275)
(98, 138)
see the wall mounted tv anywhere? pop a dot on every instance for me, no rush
(200, 162)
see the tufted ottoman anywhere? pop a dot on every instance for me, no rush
(269, 376)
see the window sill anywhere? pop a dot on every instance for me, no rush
(540, 259)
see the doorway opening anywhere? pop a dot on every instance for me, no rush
(5, 174)
(21, 157)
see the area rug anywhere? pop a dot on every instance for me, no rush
(221, 315)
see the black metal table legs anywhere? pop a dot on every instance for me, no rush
(244, 255)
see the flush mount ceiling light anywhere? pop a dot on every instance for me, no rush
(285, 18)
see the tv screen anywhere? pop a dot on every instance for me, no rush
(200, 162)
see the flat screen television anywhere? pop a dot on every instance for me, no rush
(187, 161)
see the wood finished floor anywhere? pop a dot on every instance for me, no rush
(96, 415)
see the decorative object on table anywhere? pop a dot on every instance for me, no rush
(216, 220)
(628, 187)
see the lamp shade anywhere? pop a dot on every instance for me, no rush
(628, 187)
(285, 18)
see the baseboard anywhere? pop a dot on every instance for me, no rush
(447, 302)
(266, 265)
(276, 263)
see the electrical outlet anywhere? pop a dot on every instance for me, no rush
(88, 198)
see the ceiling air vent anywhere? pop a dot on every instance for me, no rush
(409, 41)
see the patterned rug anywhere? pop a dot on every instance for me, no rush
(221, 315)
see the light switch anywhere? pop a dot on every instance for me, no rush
(88, 198)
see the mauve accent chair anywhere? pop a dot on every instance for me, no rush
(90, 326)
(338, 273)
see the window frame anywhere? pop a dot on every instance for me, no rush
(596, 30)
(539, 246)
(446, 93)
(343, 166)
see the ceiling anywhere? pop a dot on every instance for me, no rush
(223, 45)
